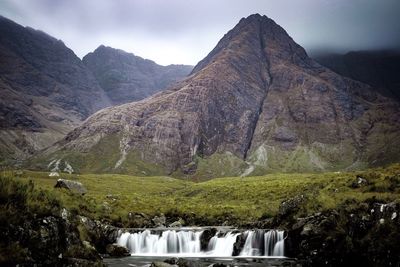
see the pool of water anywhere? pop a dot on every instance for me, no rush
(141, 261)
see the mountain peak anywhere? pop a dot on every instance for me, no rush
(259, 34)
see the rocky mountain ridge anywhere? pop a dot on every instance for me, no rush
(46, 90)
(126, 77)
(257, 103)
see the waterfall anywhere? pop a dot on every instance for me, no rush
(274, 243)
(170, 242)
(187, 243)
(222, 246)
(264, 243)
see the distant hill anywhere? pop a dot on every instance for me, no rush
(126, 77)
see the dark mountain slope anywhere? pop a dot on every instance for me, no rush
(126, 77)
(45, 90)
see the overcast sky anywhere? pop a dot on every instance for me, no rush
(184, 31)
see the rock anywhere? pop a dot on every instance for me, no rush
(359, 182)
(73, 186)
(139, 220)
(161, 264)
(159, 221)
(309, 229)
(178, 223)
(172, 261)
(206, 236)
(115, 250)
(291, 205)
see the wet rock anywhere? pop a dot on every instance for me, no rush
(115, 250)
(206, 236)
(73, 186)
(100, 234)
(162, 264)
(172, 261)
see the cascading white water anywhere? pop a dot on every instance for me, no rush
(222, 246)
(259, 243)
(274, 243)
(170, 242)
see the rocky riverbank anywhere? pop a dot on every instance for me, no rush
(349, 221)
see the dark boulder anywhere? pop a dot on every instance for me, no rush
(115, 250)
(73, 186)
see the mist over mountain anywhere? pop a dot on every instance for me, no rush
(256, 103)
(379, 69)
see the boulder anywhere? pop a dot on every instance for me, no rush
(359, 182)
(73, 186)
(159, 221)
(291, 205)
(115, 250)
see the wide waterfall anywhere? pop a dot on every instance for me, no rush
(188, 243)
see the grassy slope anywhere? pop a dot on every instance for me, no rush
(233, 198)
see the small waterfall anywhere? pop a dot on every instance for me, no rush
(258, 243)
(222, 246)
(261, 243)
(170, 242)
(274, 243)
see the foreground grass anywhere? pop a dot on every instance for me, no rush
(112, 197)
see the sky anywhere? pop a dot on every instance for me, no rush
(185, 31)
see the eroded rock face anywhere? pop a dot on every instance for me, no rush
(258, 99)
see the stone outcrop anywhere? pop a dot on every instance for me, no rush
(256, 103)
(73, 186)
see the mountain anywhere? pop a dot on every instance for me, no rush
(379, 69)
(126, 77)
(45, 90)
(255, 104)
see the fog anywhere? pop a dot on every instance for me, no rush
(184, 31)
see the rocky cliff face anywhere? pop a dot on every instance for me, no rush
(45, 90)
(126, 77)
(379, 69)
(256, 103)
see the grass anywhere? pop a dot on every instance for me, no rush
(238, 200)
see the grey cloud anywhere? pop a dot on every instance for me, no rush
(184, 31)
